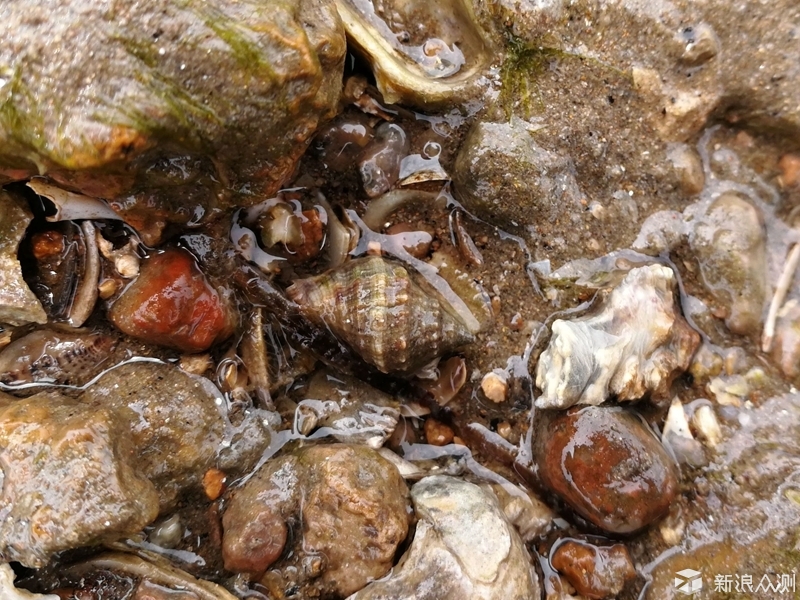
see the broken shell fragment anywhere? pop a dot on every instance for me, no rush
(636, 345)
(71, 206)
(383, 313)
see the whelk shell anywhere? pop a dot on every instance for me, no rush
(382, 312)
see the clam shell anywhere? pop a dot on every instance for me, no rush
(378, 309)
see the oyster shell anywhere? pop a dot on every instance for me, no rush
(382, 312)
(418, 56)
(637, 344)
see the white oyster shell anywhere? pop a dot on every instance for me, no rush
(463, 548)
(635, 345)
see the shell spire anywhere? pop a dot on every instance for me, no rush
(379, 310)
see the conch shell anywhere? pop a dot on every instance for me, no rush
(378, 309)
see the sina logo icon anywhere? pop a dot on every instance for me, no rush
(688, 581)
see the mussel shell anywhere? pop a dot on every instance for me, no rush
(378, 309)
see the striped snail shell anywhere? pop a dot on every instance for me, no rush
(379, 309)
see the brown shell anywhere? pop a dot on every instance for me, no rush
(377, 308)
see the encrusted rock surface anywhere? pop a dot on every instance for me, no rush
(18, 304)
(67, 477)
(348, 508)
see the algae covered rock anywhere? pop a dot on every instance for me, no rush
(163, 95)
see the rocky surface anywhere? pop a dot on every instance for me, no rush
(154, 103)
(607, 465)
(463, 547)
(68, 479)
(347, 505)
(18, 304)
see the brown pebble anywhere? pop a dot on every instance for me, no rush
(496, 304)
(608, 465)
(504, 429)
(252, 545)
(594, 571)
(517, 322)
(437, 433)
(789, 164)
(214, 483)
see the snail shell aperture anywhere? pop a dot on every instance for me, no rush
(382, 312)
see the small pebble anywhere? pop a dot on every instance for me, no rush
(167, 533)
(495, 385)
(594, 571)
(504, 430)
(707, 425)
(789, 164)
(437, 433)
(214, 483)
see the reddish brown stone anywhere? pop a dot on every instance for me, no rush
(252, 544)
(594, 571)
(607, 465)
(172, 304)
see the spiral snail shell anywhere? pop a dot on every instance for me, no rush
(378, 309)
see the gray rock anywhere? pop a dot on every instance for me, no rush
(67, 479)
(505, 176)
(148, 95)
(729, 241)
(171, 419)
(463, 548)
(18, 305)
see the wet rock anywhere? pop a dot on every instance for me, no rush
(729, 242)
(635, 345)
(463, 548)
(171, 419)
(530, 515)
(348, 505)
(68, 479)
(594, 571)
(18, 304)
(696, 52)
(503, 175)
(172, 304)
(607, 465)
(166, 67)
(746, 520)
